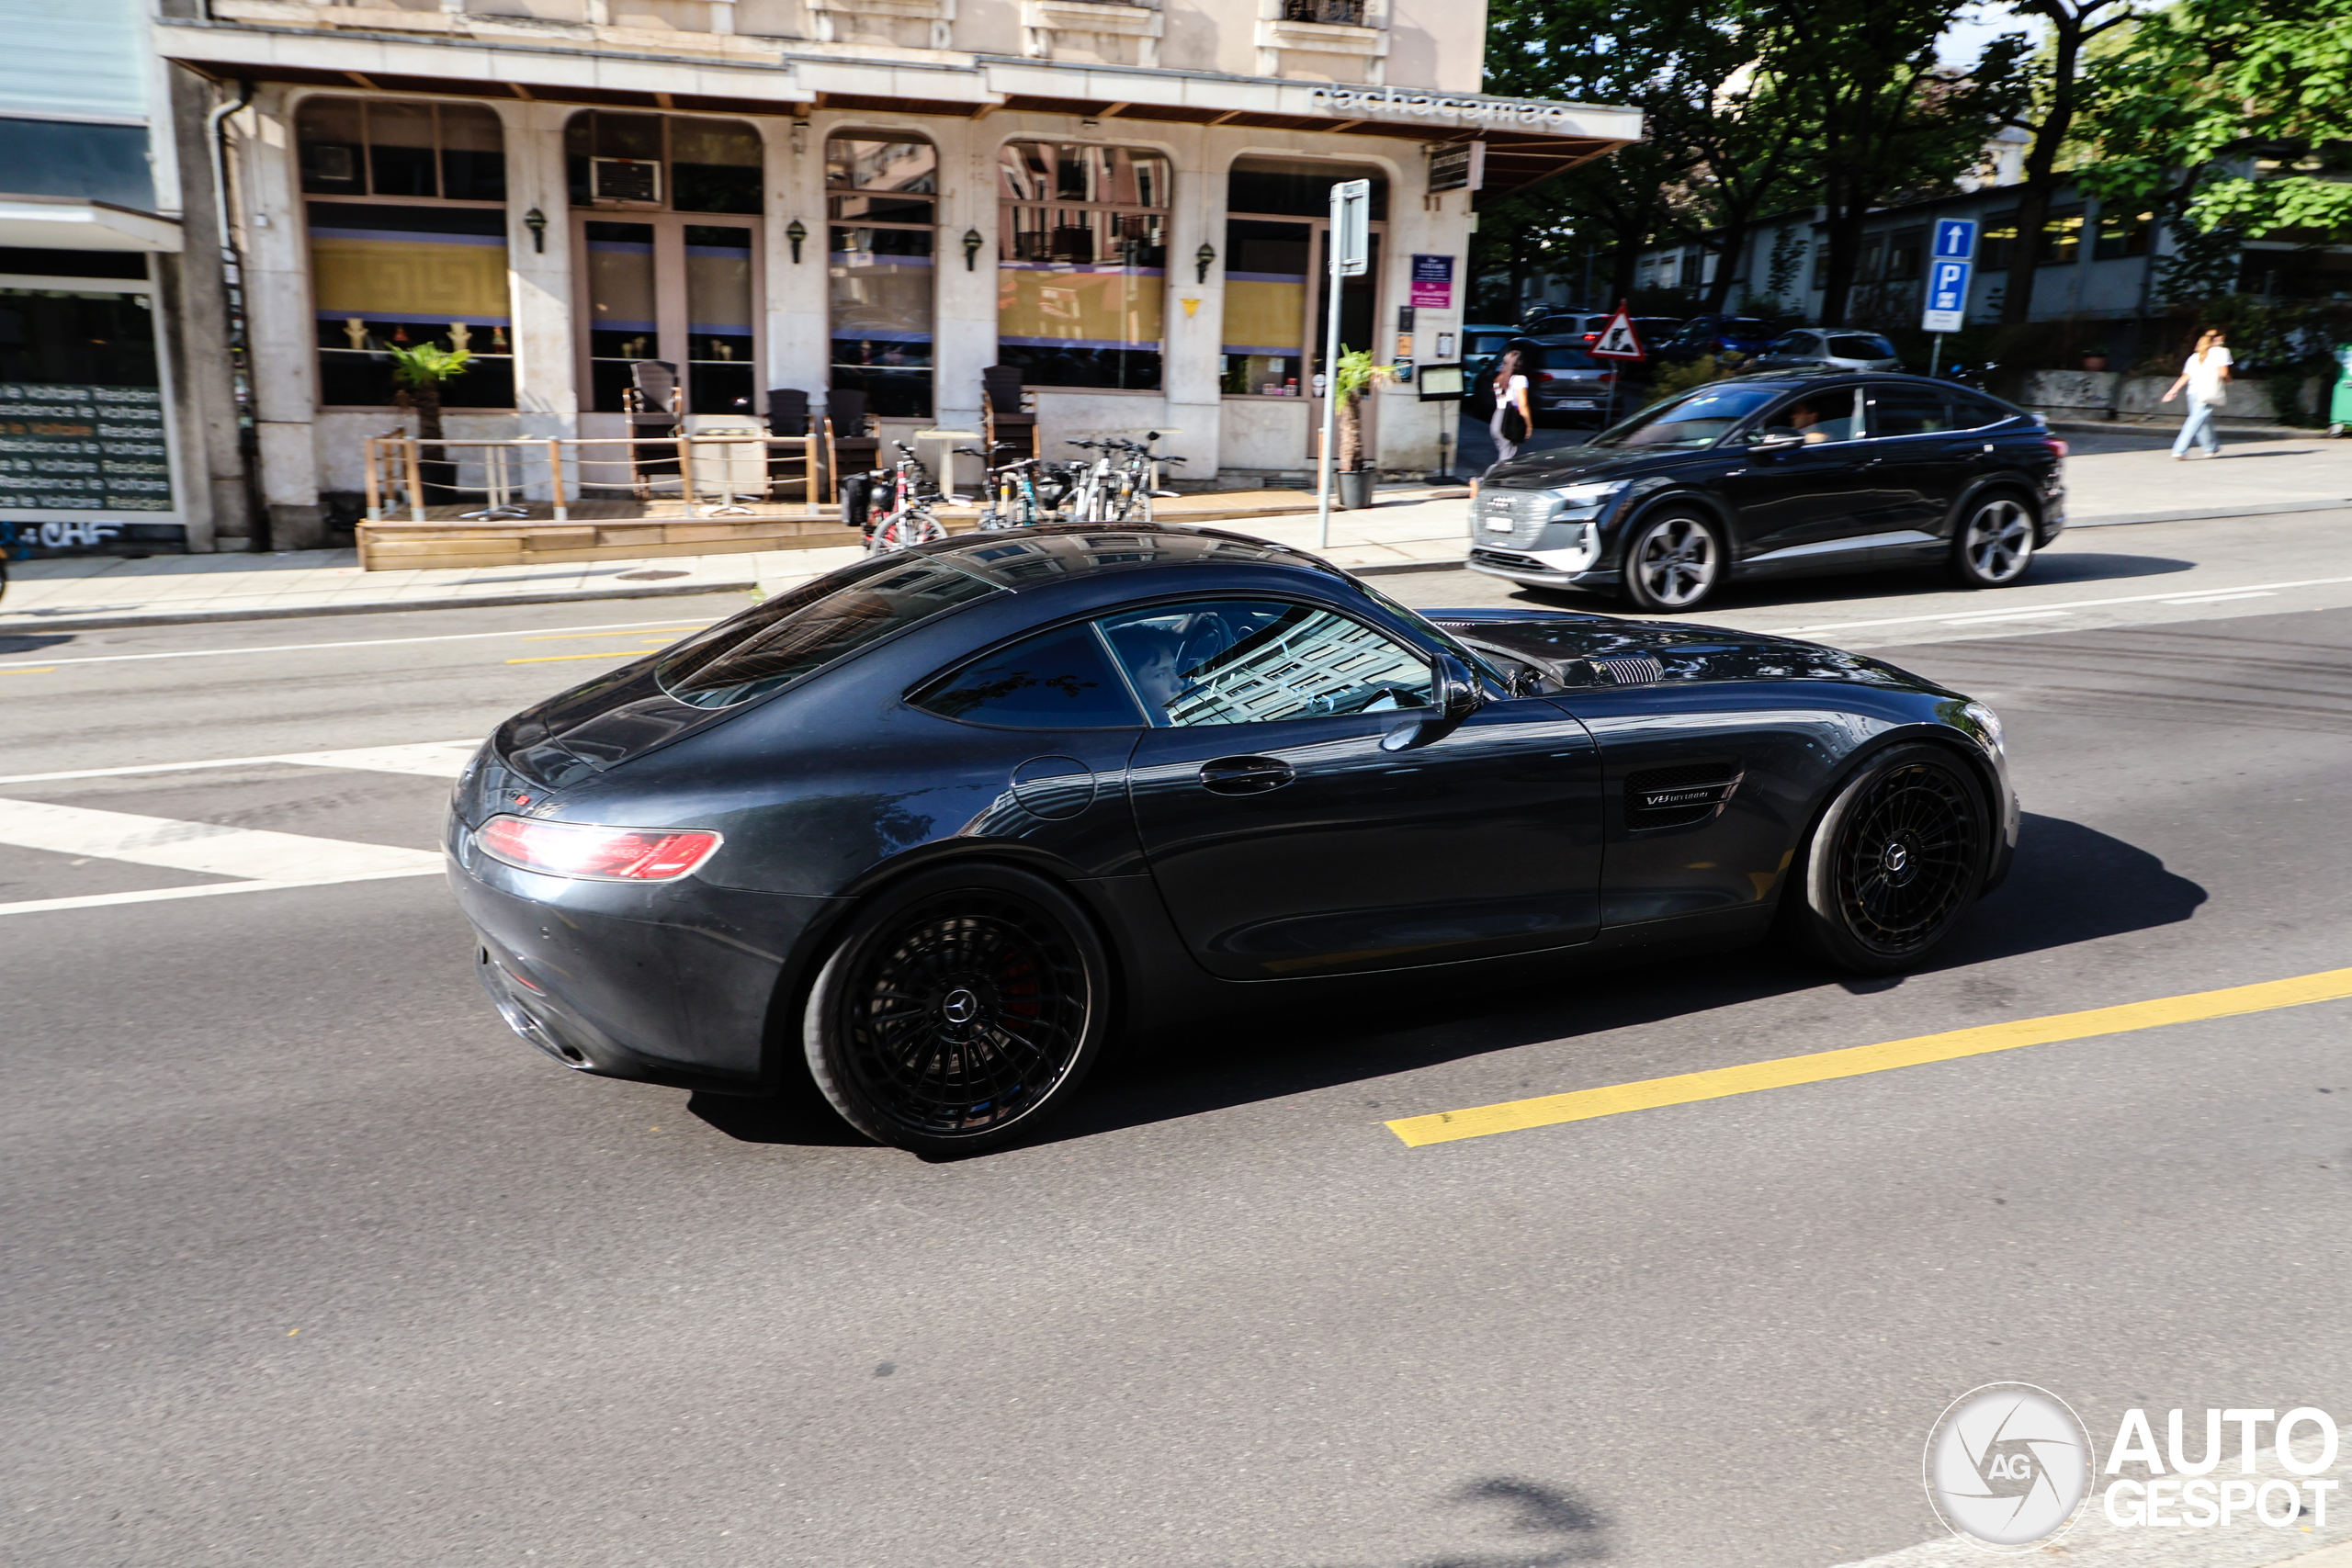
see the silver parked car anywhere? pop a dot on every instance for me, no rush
(1828, 348)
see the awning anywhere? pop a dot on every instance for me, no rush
(41, 223)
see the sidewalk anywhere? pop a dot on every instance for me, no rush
(2113, 477)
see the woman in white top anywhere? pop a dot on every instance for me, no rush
(2207, 376)
(1510, 392)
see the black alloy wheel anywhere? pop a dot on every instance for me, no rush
(1994, 544)
(1674, 560)
(956, 1009)
(1894, 862)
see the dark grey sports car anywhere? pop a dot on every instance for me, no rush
(936, 827)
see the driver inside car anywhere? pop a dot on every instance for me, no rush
(1830, 416)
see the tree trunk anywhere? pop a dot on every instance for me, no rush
(2040, 175)
(1847, 217)
(1735, 245)
(1351, 433)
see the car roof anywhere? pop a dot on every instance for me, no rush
(1022, 558)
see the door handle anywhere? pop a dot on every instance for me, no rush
(1244, 775)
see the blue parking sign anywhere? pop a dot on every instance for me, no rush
(1955, 239)
(1947, 296)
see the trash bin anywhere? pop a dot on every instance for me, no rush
(2340, 407)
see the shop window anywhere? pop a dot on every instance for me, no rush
(2062, 237)
(663, 160)
(372, 148)
(1268, 266)
(1084, 263)
(386, 275)
(81, 424)
(879, 199)
(2122, 234)
(1278, 187)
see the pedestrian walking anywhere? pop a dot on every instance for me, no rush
(1513, 418)
(2207, 376)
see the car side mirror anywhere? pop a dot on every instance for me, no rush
(1773, 441)
(1456, 690)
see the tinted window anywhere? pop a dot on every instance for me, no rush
(1824, 417)
(807, 629)
(1254, 661)
(1058, 680)
(1555, 356)
(1860, 345)
(1969, 410)
(1690, 422)
(1908, 411)
(1792, 345)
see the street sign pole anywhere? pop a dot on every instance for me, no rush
(1347, 243)
(1948, 278)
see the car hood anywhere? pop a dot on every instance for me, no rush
(1571, 465)
(1578, 650)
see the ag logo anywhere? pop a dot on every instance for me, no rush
(2007, 1466)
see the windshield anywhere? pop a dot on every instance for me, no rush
(1857, 345)
(799, 633)
(1697, 419)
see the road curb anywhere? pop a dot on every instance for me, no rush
(11, 626)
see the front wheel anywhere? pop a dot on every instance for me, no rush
(958, 1011)
(1893, 863)
(1995, 544)
(1674, 561)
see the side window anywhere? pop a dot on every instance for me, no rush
(1056, 680)
(1824, 417)
(1908, 411)
(1793, 342)
(1972, 412)
(1255, 660)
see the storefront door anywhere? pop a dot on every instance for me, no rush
(682, 288)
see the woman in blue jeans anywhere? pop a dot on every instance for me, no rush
(2207, 376)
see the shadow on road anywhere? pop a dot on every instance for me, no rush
(2071, 884)
(2082, 566)
(21, 643)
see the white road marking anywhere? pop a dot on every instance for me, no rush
(314, 646)
(2224, 598)
(206, 890)
(248, 853)
(2068, 605)
(1993, 617)
(431, 759)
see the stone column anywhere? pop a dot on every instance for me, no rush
(964, 326)
(1196, 338)
(541, 285)
(799, 338)
(269, 215)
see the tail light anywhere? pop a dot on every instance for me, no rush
(595, 854)
(2057, 447)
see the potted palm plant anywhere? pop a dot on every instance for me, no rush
(419, 373)
(1356, 375)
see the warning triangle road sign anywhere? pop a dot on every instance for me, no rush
(1618, 342)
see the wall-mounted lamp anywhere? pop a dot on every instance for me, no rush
(972, 244)
(1202, 261)
(537, 223)
(796, 232)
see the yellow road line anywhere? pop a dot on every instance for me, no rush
(576, 636)
(565, 658)
(14, 669)
(1583, 1105)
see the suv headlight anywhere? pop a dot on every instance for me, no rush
(1582, 497)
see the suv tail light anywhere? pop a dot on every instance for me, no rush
(596, 855)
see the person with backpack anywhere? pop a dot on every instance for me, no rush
(2207, 376)
(1513, 416)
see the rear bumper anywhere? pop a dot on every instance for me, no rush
(674, 982)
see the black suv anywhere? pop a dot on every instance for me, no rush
(1786, 473)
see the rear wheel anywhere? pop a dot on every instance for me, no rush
(1994, 544)
(1674, 561)
(958, 1010)
(1894, 862)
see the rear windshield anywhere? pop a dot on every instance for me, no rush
(801, 632)
(1559, 355)
(1857, 345)
(1696, 419)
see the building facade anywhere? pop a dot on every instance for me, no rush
(1126, 201)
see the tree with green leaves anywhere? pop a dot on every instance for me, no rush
(2056, 87)
(419, 373)
(2236, 113)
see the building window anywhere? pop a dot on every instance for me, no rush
(1903, 252)
(652, 160)
(82, 422)
(1998, 245)
(408, 245)
(2062, 237)
(879, 196)
(1340, 13)
(2122, 234)
(1694, 263)
(1873, 263)
(1082, 263)
(1276, 281)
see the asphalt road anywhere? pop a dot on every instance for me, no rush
(308, 1261)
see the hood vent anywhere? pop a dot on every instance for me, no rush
(1676, 797)
(1634, 670)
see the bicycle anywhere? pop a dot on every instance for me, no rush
(906, 519)
(1105, 494)
(1016, 499)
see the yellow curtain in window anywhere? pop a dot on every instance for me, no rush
(428, 278)
(1040, 304)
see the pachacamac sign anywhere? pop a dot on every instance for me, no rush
(1384, 101)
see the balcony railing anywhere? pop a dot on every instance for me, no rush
(1335, 13)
